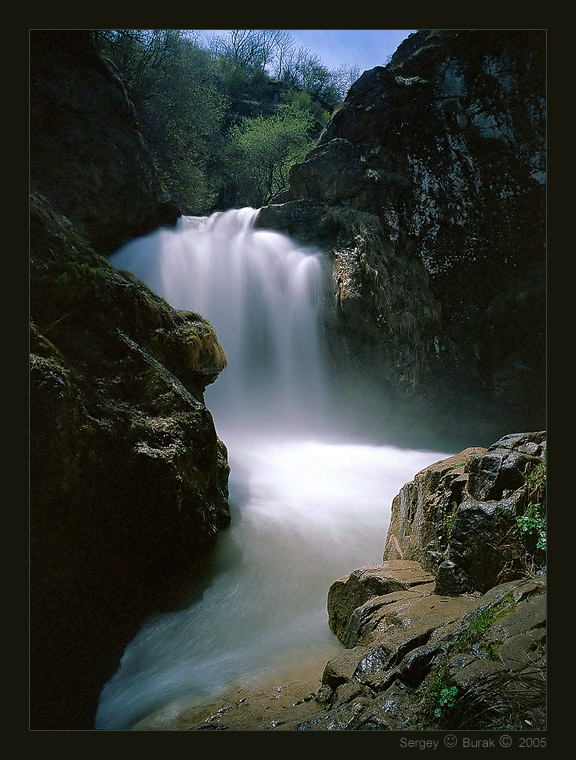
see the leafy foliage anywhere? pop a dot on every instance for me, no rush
(446, 700)
(533, 520)
(263, 149)
(224, 120)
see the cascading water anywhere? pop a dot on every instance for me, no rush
(307, 507)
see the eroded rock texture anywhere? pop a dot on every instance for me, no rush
(427, 191)
(458, 518)
(128, 479)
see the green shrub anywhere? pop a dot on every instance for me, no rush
(533, 520)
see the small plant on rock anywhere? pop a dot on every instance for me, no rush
(533, 520)
(446, 700)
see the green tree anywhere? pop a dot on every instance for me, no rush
(251, 49)
(174, 87)
(224, 121)
(136, 53)
(263, 149)
(304, 71)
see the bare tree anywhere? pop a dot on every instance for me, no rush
(256, 49)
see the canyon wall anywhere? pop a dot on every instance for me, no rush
(427, 190)
(128, 479)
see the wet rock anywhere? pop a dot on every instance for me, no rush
(503, 468)
(445, 149)
(422, 510)
(480, 493)
(347, 595)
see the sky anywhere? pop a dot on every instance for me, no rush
(350, 48)
(361, 48)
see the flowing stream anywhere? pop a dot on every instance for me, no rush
(309, 503)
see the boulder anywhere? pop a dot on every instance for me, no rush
(415, 646)
(479, 492)
(348, 595)
(128, 479)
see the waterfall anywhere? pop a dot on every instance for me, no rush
(307, 506)
(261, 293)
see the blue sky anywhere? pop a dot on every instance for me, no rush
(358, 48)
(362, 48)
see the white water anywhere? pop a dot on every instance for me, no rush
(307, 507)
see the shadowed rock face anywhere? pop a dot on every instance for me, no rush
(128, 479)
(445, 148)
(86, 151)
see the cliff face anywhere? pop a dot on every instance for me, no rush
(445, 148)
(457, 518)
(129, 481)
(87, 155)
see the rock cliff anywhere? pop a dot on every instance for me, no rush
(427, 191)
(85, 145)
(128, 479)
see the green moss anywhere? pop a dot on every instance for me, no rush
(483, 619)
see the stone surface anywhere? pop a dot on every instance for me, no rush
(439, 283)
(128, 479)
(348, 595)
(480, 493)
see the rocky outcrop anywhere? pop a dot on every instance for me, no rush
(86, 151)
(435, 168)
(416, 659)
(458, 518)
(128, 479)
(449, 631)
